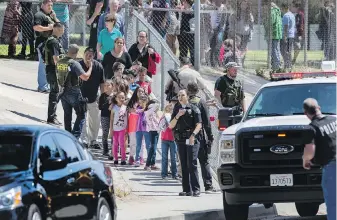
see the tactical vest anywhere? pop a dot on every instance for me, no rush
(64, 78)
(232, 95)
(46, 52)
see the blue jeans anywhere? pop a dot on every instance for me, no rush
(72, 99)
(65, 36)
(139, 138)
(165, 147)
(41, 74)
(152, 152)
(329, 188)
(275, 55)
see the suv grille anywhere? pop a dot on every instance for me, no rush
(255, 148)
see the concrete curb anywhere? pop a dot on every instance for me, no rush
(255, 212)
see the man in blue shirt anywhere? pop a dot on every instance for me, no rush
(61, 10)
(289, 30)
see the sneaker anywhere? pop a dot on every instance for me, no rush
(196, 194)
(123, 163)
(95, 145)
(54, 121)
(154, 167)
(137, 164)
(46, 91)
(164, 177)
(147, 168)
(210, 190)
(175, 177)
(111, 157)
(131, 160)
(106, 154)
(116, 162)
(141, 161)
(185, 194)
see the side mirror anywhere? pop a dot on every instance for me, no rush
(53, 164)
(228, 117)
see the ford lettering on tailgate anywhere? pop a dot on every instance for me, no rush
(282, 149)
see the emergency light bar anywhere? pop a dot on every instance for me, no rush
(300, 75)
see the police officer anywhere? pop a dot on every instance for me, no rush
(322, 150)
(186, 125)
(205, 142)
(69, 73)
(53, 51)
(228, 89)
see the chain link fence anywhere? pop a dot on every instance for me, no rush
(16, 26)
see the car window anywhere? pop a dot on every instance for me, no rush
(288, 100)
(15, 152)
(68, 148)
(48, 148)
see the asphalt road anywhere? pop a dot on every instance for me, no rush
(20, 103)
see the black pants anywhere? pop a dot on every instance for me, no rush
(186, 43)
(93, 34)
(71, 99)
(24, 46)
(205, 166)
(214, 53)
(188, 156)
(54, 92)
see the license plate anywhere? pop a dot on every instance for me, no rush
(281, 180)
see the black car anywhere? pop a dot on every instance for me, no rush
(45, 173)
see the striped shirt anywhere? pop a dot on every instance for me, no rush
(62, 12)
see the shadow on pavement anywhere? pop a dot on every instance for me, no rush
(18, 87)
(27, 116)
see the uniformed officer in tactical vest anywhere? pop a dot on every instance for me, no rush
(321, 150)
(69, 75)
(206, 136)
(53, 52)
(186, 125)
(228, 89)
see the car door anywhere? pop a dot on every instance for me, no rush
(52, 183)
(81, 175)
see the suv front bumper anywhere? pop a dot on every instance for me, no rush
(247, 186)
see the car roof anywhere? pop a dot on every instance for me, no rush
(301, 81)
(26, 129)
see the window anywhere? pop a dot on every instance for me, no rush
(48, 148)
(15, 152)
(288, 100)
(68, 148)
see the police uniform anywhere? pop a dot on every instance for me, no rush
(188, 154)
(68, 72)
(324, 138)
(204, 147)
(52, 48)
(231, 90)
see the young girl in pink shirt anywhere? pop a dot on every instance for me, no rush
(118, 126)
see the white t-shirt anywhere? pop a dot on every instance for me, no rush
(120, 118)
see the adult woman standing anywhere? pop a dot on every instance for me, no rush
(116, 55)
(186, 124)
(144, 53)
(107, 37)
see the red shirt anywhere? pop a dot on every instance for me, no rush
(167, 135)
(146, 86)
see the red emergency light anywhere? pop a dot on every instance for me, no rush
(300, 75)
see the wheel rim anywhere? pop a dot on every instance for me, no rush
(36, 216)
(104, 213)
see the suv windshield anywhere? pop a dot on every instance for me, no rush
(15, 152)
(288, 99)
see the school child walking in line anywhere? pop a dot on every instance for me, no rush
(118, 126)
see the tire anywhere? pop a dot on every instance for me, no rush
(103, 209)
(307, 209)
(234, 212)
(34, 213)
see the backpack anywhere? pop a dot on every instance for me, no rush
(232, 95)
(62, 71)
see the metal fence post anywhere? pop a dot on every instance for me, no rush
(84, 25)
(306, 28)
(335, 37)
(162, 78)
(259, 22)
(197, 16)
(270, 38)
(127, 20)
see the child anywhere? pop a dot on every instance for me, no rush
(152, 118)
(130, 76)
(142, 73)
(141, 128)
(168, 143)
(118, 69)
(118, 126)
(103, 105)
